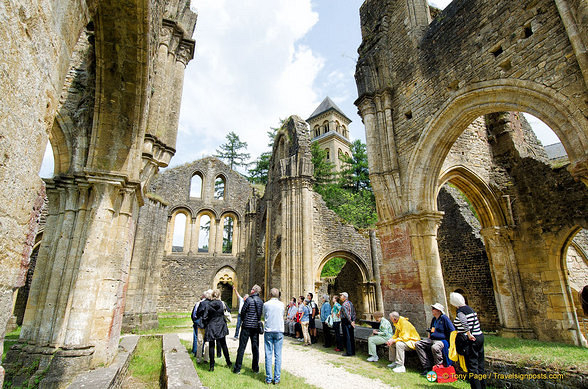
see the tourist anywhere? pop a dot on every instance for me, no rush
(273, 337)
(471, 340)
(250, 321)
(299, 313)
(241, 302)
(304, 320)
(314, 311)
(216, 327)
(379, 336)
(325, 313)
(437, 342)
(405, 336)
(202, 352)
(336, 314)
(195, 322)
(290, 321)
(348, 324)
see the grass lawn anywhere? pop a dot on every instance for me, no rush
(223, 377)
(526, 352)
(10, 339)
(146, 365)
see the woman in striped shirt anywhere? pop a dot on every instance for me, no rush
(468, 328)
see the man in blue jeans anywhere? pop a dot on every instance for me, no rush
(250, 318)
(273, 312)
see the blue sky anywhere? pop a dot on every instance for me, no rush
(259, 61)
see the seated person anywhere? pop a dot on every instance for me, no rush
(380, 336)
(437, 343)
(404, 337)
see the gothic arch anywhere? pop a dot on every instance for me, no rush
(349, 256)
(479, 99)
(228, 276)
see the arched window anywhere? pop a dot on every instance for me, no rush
(179, 232)
(204, 234)
(219, 188)
(317, 130)
(328, 153)
(326, 126)
(228, 228)
(340, 154)
(196, 186)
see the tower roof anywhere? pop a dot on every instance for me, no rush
(325, 106)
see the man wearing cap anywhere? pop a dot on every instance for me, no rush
(437, 342)
(348, 324)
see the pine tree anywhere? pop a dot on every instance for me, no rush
(259, 174)
(232, 151)
(356, 175)
(323, 169)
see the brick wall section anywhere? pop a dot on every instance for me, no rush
(463, 257)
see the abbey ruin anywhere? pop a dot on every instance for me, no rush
(467, 198)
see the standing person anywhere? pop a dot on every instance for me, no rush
(471, 337)
(380, 336)
(325, 313)
(250, 316)
(304, 320)
(314, 311)
(404, 337)
(437, 343)
(216, 328)
(336, 313)
(195, 322)
(273, 337)
(348, 324)
(290, 321)
(298, 326)
(241, 302)
(202, 351)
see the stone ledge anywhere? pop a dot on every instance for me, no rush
(179, 371)
(113, 375)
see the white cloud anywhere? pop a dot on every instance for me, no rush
(249, 71)
(441, 4)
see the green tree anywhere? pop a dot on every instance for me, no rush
(355, 174)
(259, 173)
(233, 151)
(323, 169)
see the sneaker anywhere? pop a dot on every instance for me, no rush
(373, 358)
(399, 369)
(300, 339)
(392, 365)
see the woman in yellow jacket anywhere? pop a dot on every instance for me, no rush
(404, 336)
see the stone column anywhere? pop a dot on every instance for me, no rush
(510, 301)
(423, 237)
(376, 265)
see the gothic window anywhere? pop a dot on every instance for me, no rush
(204, 234)
(179, 232)
(219, 188)
(317, 130)
(326, 126)
(228, 228)
(340, 154)
(196, 186)
(328, 154)
(338, 127)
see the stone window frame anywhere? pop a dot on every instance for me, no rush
(236, 231)
(328, 156)
(325, 125)
(225, 190)
(211, 232)
(202, 182)
(171, 229)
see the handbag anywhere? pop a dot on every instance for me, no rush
(329, 321)
(227, 314)
(260, 325)
(445, 374)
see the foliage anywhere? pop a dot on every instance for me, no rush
(147, 362)
(356, 175)
(323, 169)
(357, 208)
(259, 173)
(233, 151)
(333, 267)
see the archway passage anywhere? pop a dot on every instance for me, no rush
(576, 264)
(224, 280)
(344, 272)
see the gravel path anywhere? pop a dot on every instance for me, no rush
(297, 360)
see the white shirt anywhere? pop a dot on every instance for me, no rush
(273, 313)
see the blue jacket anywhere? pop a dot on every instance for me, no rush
(443, 328)
(325, 311)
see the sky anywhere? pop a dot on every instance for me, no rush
(259, 61)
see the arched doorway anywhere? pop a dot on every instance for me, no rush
(343, 271)
(224, 280)
(575, 264)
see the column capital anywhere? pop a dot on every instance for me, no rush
(421, 224)
(497, 234)
(579, 170)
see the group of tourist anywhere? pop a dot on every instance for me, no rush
(464, 335)
(210, 315)
(339, 318)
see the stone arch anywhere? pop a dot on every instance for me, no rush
(220, 187)
(479, 99)
(200, 239)
(233, 235)
(226, 278)
(61, 144)
(349, 256)
(197, 178)
(171, 230)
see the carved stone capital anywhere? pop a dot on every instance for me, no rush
(185, 51)
(366, 106)
(423, 223)
(579, 170)
(497, 236)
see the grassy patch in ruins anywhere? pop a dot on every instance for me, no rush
(146, 365)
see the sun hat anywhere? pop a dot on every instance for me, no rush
(438, 307)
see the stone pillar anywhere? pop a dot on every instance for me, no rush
(74, 314)
(510, 301)
(423, 237)
(376, 266)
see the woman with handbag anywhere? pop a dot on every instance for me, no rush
(336, 317)
(216, 328)
(325, 315)
(469, 340)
